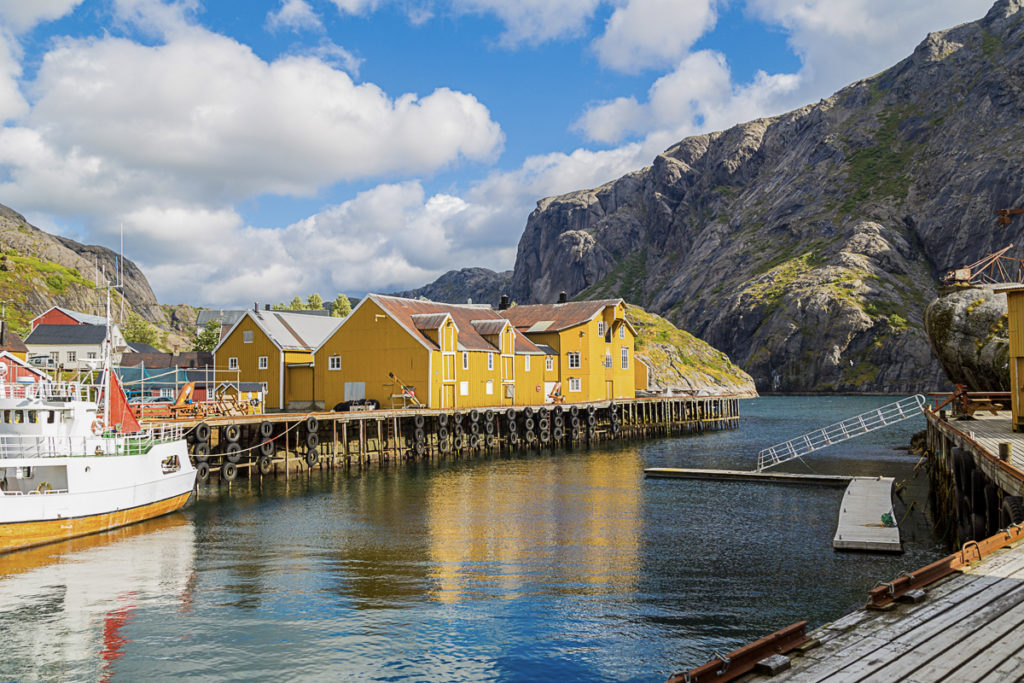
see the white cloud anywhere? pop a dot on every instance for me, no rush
(336, 56)
(12, 103)
(296, 15)
(357, 6)
(21, 15)
(652, 33)
(534, 21)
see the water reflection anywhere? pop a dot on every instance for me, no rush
(65, 608)
(557, 526)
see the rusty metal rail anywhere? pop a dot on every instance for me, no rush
(972, 551)
(743, 660)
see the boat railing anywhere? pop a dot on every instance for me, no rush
(46, 391)
(33, 492)
(110, 443)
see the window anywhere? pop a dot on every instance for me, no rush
(490, 361)
(247, 336)
(625, 358)
(574, 384)
(600, 328)
(463, 388)
(549, 363)
(622, 330)
(465, 360)
(574, 359)
(262, 364)
(55, 356)
(72, 356)
(334, 363)
(167, 393)
(489, 387)
(526, 363)
(232, 363)
(91, 355)
(608, 359)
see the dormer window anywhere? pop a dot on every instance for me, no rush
(247, 336)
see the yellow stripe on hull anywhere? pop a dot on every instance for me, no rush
(21, 535)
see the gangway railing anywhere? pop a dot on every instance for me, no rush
(841, 431)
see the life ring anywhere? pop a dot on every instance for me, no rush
(44, 486)
(97, 427)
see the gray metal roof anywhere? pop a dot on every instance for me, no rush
(84, 318)
(222, 316)
(294, 331)
(67, 334)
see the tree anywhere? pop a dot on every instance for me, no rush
(138, 331)
(314, 302)
(296, 305)
(208, 337)
(341, 306)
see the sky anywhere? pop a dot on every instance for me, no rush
(259, 150)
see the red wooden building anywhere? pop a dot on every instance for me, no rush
(64, 316)
(17, 370)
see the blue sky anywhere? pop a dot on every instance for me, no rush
(264, 149)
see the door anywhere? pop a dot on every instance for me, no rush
(447, 395)
(609, 389)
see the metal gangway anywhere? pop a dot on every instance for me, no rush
(840, 431)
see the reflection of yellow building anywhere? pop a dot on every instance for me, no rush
(561, 527)
(593, 342)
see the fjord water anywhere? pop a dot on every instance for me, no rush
(559, 565)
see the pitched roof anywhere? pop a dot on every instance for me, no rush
(555, 317)
(190, 359)
(67, 334)
(428, 321)
(295, 331)
(464, 315)
(83, 318)
(222, 316)
(10, 341)
(139, 347)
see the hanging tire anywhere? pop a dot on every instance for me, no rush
(228, 471)
(442, 433)
(575, 422)
(419, 448)
(312, 457)
(591, 411)
(266, 429)
(544, 422)
(510, 414)
(575, 433)
(529, 437)
(613, 409)
(529, 424)
(202, 472)
(442, 420)
(312, 440)
(558, 422)
(512, 426)
(265, 464)
(557, 433)
(574, 411)
(488, 416)
(474, 415)
(591, 420)
(545, 436)
(202, 432)
(527, 411)
(1011, 511)
(489, 428)
(312, 424)
(489, 441)
(459, 442)
(474, 441)
(444, 445)
(556, 411)
(616, 427)
(474, 428)
(419, 421)
(420, 434)
(232, 433)
(201, 451)
(233, 452)
(512, 439)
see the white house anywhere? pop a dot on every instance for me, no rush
(72, 346)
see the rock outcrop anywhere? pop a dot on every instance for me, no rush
(480, 285)
(807, 245)
(968, 331)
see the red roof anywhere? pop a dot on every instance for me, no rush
(10, 341)
(412, 314)
(555, 317)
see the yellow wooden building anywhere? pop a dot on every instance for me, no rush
(276, 349)
(452, 356)
(592, 342)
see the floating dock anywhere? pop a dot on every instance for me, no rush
(746, 475)
(860, 525)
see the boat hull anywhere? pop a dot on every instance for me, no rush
(27, 534)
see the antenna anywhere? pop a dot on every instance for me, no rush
(120, 274)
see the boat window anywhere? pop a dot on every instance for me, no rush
(33, 416)
(19, 416)
(51, 416)
(7, 416)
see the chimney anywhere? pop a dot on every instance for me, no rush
(562, 298)
(503, 304)
(256, 307)
(266, 307)
(3, 334)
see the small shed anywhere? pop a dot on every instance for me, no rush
(14, 369)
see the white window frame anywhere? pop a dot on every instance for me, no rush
(624, 354)
(600, 327)
(91, 355)
(247, 336)
(463, 388)
(465, 360)
(72, 356)
(490, 361)
(574, 356)
(622, 330)
(608, 359)
(489, 387)
(233, 363)
(334, 362)
(263, 363)
(264, 385)
(526, 362)
(575, 385)
(549, 363)
(167, 393)
(55, 356)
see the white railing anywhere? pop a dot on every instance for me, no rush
(12, 447)
(47, 391)
(840, 431)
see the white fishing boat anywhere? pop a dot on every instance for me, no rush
(74, 461)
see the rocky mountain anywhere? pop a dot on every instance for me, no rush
(807, 245)
(968, 328)
(39, 270)
(482, 285)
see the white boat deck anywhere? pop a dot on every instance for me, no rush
(860, 524)
(968, 628)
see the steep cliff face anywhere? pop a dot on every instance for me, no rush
(482, 285)
(39, 270)
(807, 245)
(969, 332)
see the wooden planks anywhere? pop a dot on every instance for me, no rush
(860, 524)
(745, 475)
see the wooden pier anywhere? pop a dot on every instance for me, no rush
(265, 444)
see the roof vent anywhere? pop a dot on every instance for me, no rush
(503, 304)
(562, 297)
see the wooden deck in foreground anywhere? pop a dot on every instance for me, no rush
(968, 628)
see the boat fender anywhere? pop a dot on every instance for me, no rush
(97, 427)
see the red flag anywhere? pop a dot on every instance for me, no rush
(121, 415)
